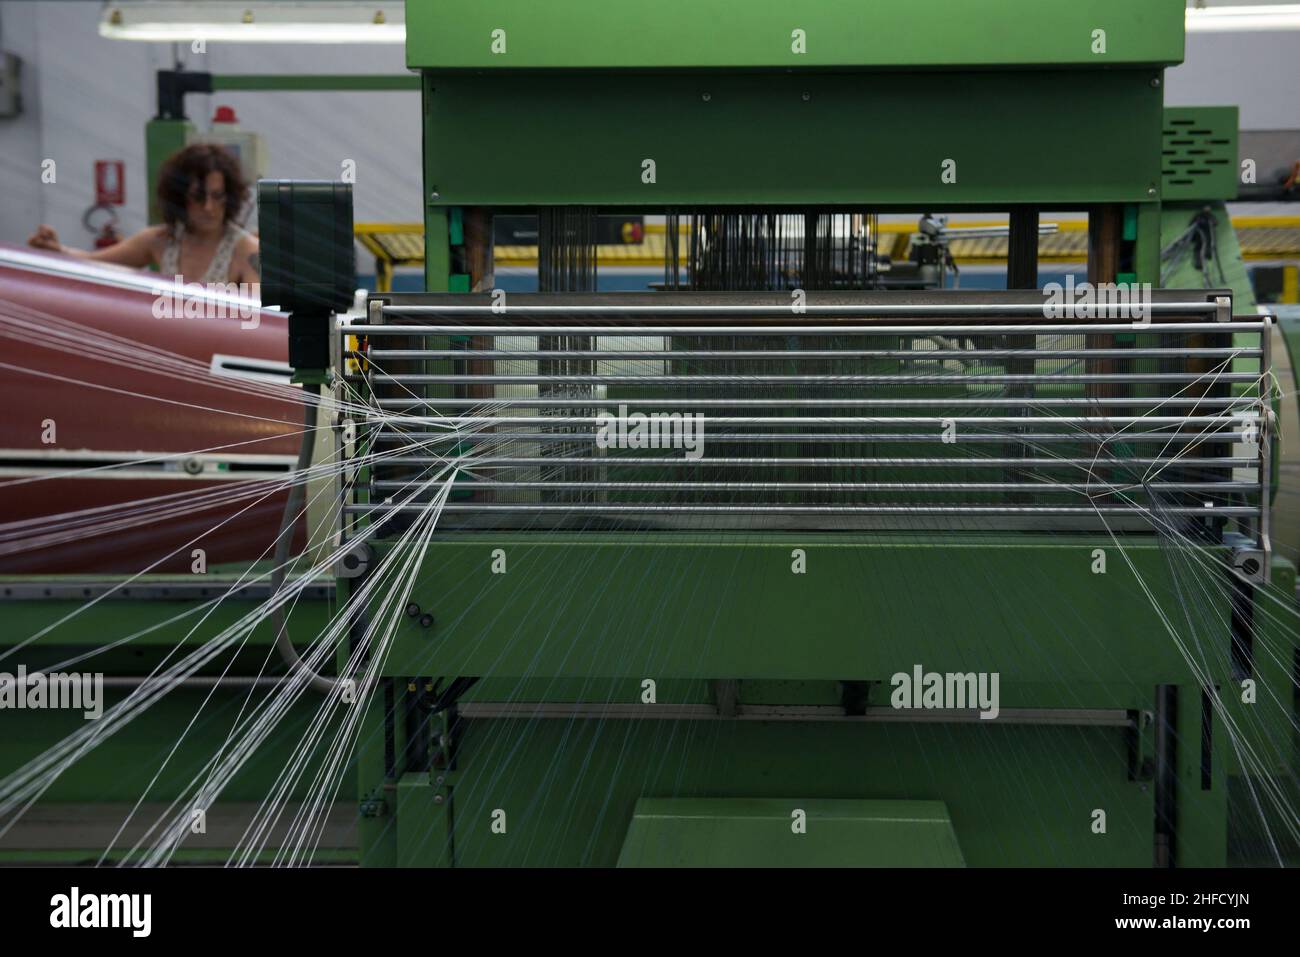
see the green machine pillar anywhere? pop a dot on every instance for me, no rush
(162, 138)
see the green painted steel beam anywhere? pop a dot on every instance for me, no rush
(1056, 139)
(148, 623)
(760, 34)
(437, 248)
(156, 756)
(210, 857)
(1147, 244)
(162, 138)
(598, 604)
(769, 832)
(316, 83)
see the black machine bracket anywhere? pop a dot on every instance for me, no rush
(173, 85)
(308, 262)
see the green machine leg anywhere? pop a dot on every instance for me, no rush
(1146, 251)
(437, 249)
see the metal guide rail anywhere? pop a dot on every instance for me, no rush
(939, 411)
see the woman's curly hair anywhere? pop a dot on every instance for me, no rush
(191, 166)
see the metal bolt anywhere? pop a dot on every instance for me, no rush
(1155, 81)
(434, 196)
(707, 97)
(807, 97)
(1151, 191)
(426, 620)
(439, 779)
(413, 610)
(437, 799)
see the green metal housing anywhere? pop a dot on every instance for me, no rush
(843, 105)
(760, 35)
(1057, 138)
(1034, 109)
(689, 104)
(574, 621)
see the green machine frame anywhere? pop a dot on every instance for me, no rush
(771, 694)
(771, 691)
(1010, 106)
(729, 111)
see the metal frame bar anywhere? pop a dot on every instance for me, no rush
(1214, 419)
(1071, 717)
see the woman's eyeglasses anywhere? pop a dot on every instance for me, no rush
(200, 195)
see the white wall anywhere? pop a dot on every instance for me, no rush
(1256, 72)
(87, 98)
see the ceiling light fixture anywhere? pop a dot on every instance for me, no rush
(217, 21)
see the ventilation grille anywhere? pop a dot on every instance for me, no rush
(1199, 153)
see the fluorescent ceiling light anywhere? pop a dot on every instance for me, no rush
(1259, 16)
(310, 21)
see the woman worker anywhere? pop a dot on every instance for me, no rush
(201, 191)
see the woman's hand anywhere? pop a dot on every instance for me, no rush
(137, 251)
(45, 238)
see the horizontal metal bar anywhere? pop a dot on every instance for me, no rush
(843, 438)
(547, 402)
(472, 421)
(1096, 488)
(315, 82)
(781, 355)
(919, 509)
(658, 461)
(226, 681)
(170, 589)
(692, 381)
(1081, 329)
(923, 310)
(605, 711)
